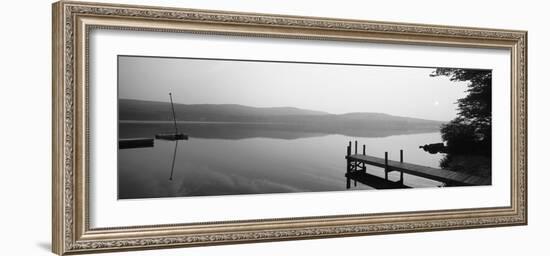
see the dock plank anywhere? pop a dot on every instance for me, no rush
(442, 175)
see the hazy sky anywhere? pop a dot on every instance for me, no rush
(401, 91)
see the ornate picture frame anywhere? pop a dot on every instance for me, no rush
(72, 24)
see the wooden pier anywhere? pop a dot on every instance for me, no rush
(357, 170)
(136, 143)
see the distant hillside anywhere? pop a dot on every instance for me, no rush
(152, 110)
(279, 118)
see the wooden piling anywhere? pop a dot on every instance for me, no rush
(356, 147)
(348, 161)
(386, 164)
(364, 168)
(401, 160)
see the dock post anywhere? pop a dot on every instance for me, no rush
(348, 185)
(348, 153)
(386, 164)
(356, 147)
(401, 160)
(364, 169)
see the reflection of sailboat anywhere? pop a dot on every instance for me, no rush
(174, 160)
(172, 136)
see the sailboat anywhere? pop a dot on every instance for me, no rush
(172, 136)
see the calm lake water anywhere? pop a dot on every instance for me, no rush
(264, 162)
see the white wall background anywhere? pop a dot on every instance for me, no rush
(25, 100)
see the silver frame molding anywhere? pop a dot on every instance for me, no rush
(72, 22)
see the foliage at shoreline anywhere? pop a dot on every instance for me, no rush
(468, 136)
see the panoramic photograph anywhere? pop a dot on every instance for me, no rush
(213, 127)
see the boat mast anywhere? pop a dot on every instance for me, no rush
(173, 113)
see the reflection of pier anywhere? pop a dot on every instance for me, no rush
(148, 143)
(372, 181)
(357, 170)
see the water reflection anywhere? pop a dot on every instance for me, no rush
(372, 181)
(237, 131)
(281, 162)
(174, 159)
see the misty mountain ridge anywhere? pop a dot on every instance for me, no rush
(247, 110)
(276, 118)
(141, 110)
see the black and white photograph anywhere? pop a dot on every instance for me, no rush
(212, 127)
